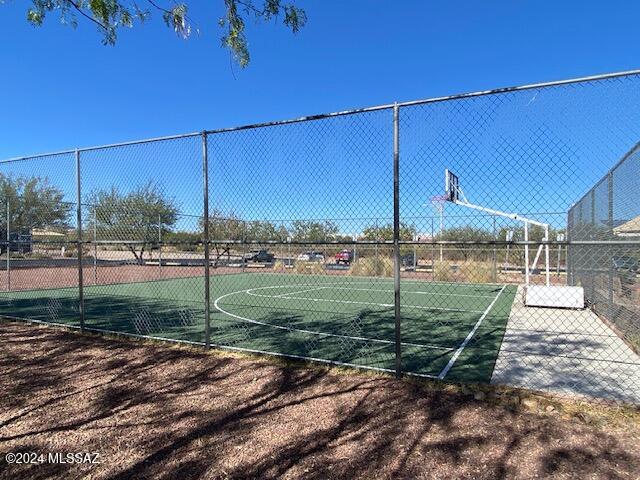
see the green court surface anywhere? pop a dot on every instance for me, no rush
(449, 330)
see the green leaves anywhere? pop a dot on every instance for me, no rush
(235, 40)
(35, 17)
(314, 231)
(33, 202)
(111, 15)
(176, 18)
(385, 232)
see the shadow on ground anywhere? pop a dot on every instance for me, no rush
(155, 411)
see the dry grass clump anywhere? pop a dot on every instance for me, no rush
(372, 267)
(442, 272)
(475, 272)
(313, 268)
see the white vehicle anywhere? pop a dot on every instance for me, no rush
(313, 256)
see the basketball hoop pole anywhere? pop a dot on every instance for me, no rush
(441, 230)
(439, 202)
(527, 222)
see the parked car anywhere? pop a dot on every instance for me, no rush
(19, 242)
(344, 256)
(259, 256)
(311, 256)
(408, 260)
(626, 269)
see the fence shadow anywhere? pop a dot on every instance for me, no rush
(176, 413)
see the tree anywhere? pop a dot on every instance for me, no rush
(466, 234)
(111, 15)
(265, 231)
(33, 203)
(314, 231)
(385, 232)
(224, 230)
(134, 218)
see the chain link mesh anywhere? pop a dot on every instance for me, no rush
(297, 221)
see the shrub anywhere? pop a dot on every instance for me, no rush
(372, 267)
(37, 255)
(476, 272)
(442, 272)
(313, 268)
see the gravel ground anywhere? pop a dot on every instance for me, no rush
(156, 411)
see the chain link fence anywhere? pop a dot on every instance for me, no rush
(335, 238)
(607, 219)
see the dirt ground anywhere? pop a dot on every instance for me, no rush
(157, 411)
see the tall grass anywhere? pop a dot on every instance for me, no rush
(475, 272)
(372, 267)
(442, 272)
(310, 268)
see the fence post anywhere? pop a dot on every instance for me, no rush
(376, 248)
(79, 239)
(205, 239)
(495, 252)
(610, 250)
(396, 236)
(8, 247)
(243, 248)
(95, 246)
(160, 244)
(592, 276)
(433, 253)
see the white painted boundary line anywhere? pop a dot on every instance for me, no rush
(354, 302)
(462, 346)
(312, 332)
(284, 295)
(410, 292)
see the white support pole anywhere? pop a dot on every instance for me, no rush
(415, 253)
(534, 265)
(441, 230)
(546, 253)
(520, 218)
(513, 216)
(508, 238)
(526, 253)
(560, 238)
(355, 248)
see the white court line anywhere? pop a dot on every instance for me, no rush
(324, 334)
(404, 281)
(328, 300)
(283, 295)
(462, 346)
(407, 292)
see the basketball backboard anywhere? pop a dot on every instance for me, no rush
(451, 185)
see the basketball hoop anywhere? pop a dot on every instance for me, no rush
(438, 202)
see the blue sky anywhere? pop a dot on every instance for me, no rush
(61, 88)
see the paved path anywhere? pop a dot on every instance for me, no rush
(566, 351)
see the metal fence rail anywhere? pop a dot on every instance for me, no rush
(330, 238)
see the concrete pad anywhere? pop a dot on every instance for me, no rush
(566, 351)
